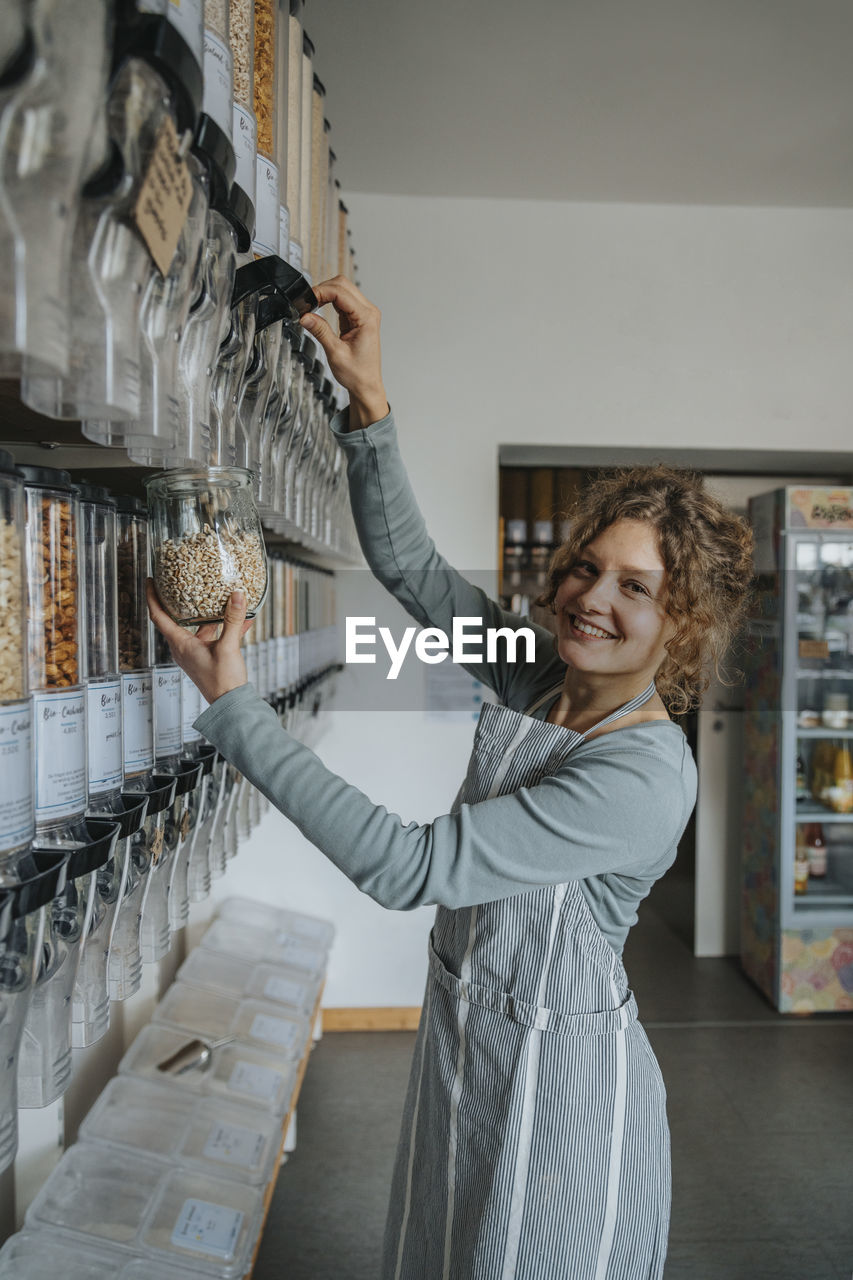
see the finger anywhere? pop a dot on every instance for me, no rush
(343, 295)
(207, 631)
(247, 626)
(324, 334)
(169, 628)
(232, 626)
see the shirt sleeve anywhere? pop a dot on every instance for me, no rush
(403, 557)
(608, 809)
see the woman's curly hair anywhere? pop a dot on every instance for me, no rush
(707, 553)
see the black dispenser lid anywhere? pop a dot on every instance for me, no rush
(7, 463)
(160, 792)
(46, 478)
(207, 756)
(41, 875)
(130, 812)
(213, 148)
(273, 276)
(152, 37)
(241, 214)
(187, 777)
(94, 493)
(130, 506)
(97, 850)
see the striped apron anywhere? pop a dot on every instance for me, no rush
(534, 1143)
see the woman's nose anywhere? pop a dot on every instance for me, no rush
(596, 595)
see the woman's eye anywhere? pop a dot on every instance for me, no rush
(583, 568)
(637, 588)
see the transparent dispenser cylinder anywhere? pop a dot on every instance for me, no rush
(267, 198)
(291, 403)
(168, 708)
(44, 1065)
(245, 128)
(17, 798)
(145, 847)
(57, 655)
(290, 124)
(90, 1009)
(218, 100)
(155, 931)
(232, 361)
(206, 542)
(198, 862)
(44, 145)
(134, 643)
(22, 902)
(99, 583)
(183, 818)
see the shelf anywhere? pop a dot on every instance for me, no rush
(822, 673)
(829, 893)
(823, 732)
(816, 813)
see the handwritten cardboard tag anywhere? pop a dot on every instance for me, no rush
(814, 649)
(164, 198)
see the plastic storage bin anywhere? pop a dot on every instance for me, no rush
(174, 1216)
(45, 1255)
(219, 1139)
(261, 915)
(258, 945)
(212, 1016)
(295, 990)
(236, 1072)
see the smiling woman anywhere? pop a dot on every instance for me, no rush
(534, 1142)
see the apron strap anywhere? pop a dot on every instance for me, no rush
(640, 700)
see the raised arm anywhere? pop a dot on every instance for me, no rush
(391, 529)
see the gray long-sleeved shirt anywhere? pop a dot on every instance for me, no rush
(610, 817)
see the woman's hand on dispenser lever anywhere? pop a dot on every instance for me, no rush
(354, 357)
(211, 659)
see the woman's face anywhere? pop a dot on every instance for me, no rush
(610, 606)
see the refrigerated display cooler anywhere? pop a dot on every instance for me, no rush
(797, 888)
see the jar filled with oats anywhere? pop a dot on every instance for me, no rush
(134, 642)
(17, 821)
(206, 542)
(55, 649)
(268, 178)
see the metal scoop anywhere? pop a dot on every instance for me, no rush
(195, 1055)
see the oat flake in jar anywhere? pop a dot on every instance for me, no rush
(206, 542)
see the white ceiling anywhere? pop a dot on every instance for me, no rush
(746, 102)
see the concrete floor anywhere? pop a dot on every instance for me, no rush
(760, 1109)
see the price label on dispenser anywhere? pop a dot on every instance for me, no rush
(17, 815)
(208, 1228)
(232, 1144)
(164, 197)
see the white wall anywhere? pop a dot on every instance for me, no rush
(514, 321)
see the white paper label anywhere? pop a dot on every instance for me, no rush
(231, 1144)
(283, 232)
(203, 1227)
(218, 82)
(137, 716)
(266, 207)
(167, 711)
(104, 734)
(287, 990)
(188, 17)
(17, 812)
(273, 1030)
(60, 733)
(257, 1081)
(191, 709)
(294, 255)
(245, 150)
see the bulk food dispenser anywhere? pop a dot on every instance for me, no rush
(155, 86)
(179, 826)
(99, 583)
(17, 802)
(48, 120)
(168, 709)
(57, 656)
(145, 850)
(22, 903)
(245, 127)
(134, 647)
(267, 198)
(44, 1062)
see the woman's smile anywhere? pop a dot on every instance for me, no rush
(585, 630)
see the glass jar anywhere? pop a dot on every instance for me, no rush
(57, 655)
(207, 542)
(17, 813)
(134, 643)
(99, 582)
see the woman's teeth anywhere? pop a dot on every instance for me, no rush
(591, 631)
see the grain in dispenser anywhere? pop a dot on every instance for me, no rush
(267, 201)
(57, 656)
(17, 813)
